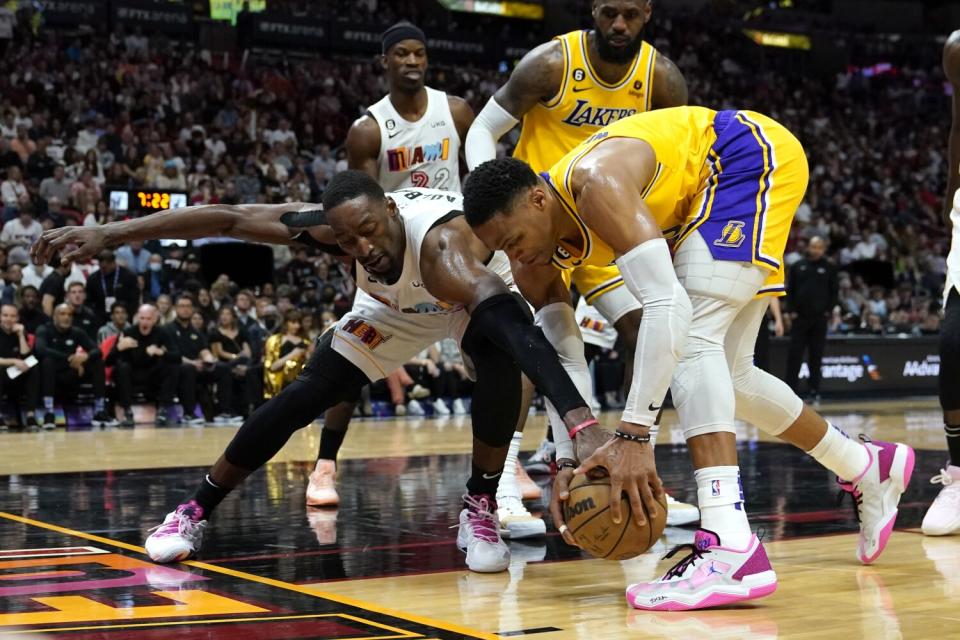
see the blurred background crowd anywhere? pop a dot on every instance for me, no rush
(83, 114)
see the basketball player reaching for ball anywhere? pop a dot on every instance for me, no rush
(411, 138)
(422, 276)
(943, 517)
(694, 206)
(564, 91)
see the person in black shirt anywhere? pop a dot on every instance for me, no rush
(39, 164)
(53, 286)
(14, 349)
(111, 283)
(198, 366)
(68, 356)
(812, 289)
(31, 315)
(146, 356)
(230, 346)
(83, 316)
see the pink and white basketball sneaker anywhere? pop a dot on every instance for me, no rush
(877, 493)
(479, 535)
(180, 535)
(711, 576)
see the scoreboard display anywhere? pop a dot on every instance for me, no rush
(147, 200)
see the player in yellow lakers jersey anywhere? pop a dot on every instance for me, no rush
(694, 206)
(564, 91)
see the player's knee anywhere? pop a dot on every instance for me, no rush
(765, 401)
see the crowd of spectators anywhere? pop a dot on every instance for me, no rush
(81, 115)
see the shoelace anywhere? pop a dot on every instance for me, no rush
(847, 488)
(943, 478)
(678, 569)
(481, 519)
(182, 524)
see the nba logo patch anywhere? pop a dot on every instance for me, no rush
(715, 488)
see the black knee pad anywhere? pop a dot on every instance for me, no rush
(496, 394)
(950, 354)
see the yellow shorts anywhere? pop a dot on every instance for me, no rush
(758, 179)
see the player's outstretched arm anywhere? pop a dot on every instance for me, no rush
(538, 76)
(951, 67)
(274, 224)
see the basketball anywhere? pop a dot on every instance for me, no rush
(587, 514)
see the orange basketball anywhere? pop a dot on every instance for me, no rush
(587, 514)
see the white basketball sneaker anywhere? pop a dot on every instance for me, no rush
(681, 513)
(479, 536)
(943, 516)
(179, 536)
(877, 493)
(515, 521)
(322, 488)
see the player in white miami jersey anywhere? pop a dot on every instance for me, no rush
(410, 138)
(943, 517)
(422, 276)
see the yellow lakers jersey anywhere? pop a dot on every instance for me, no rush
(584, 105)
(681, 138)
(736, 177)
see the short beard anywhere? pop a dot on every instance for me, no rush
(617, 55)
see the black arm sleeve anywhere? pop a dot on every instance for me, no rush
(503, 321)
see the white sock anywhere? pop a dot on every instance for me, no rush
(841, 454)
(508, 480)
(720, 496)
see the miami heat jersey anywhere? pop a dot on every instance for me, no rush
(423, 154)
(584, 105)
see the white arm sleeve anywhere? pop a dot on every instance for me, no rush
(490, 125)
(559, 325)
(648, 273)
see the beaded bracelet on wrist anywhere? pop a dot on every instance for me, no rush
(632, 438)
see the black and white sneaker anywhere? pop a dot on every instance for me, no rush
(103, 419)
(128, 421)
(31, 424)
(49, 421)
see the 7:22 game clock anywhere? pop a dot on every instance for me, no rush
(146, 200)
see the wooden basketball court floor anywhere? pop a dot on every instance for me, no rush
(74, 508)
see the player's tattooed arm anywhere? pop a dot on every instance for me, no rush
(669, 85)
(363, 146)
(537, 77)
(254, 223)
(951, 67)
